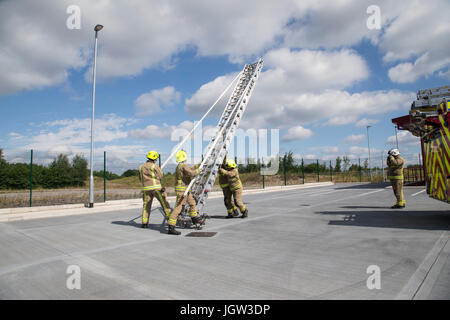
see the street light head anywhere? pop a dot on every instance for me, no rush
(98, 27)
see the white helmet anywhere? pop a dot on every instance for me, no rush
(394, 152)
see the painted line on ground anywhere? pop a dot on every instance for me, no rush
(411, 288)
(427, 285)
(415, 194)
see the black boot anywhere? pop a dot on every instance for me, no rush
(144, 226)
(398, 206)
(173, 231)
(230, 215)
(235, 213)
(197, 220)
(244, 214)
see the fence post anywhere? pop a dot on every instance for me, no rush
(359, 167)
(303, 172)
(262, 173)
(331, 172)
(284, 168)
(318, 174)
(31, 176)
(104, 176)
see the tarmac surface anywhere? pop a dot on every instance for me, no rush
(320, 243)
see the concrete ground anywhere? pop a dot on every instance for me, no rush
(319, 243)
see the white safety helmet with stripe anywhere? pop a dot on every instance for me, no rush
(394, 152)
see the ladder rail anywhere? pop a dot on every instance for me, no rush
(198, 123)
(215, 141)
(230, 105)
(227, 141)
(225, 136)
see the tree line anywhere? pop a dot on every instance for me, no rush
(287, 161)
(59, 173)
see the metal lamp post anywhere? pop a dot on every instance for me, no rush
(97, 28)
(396, 137)
(368, 147)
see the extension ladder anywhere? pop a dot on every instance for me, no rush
(217, 149)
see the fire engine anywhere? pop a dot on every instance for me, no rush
(428, 119)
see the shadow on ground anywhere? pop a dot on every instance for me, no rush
(366, 207)
(132, 223)
(401, 218)
(366, 186)
(218, 216)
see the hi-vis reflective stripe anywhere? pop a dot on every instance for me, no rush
(172, 222)
(236, 187)
(193, 214)
(152, 169)
(224, 185)
(230, 210)
(158, 186)
(180, 188)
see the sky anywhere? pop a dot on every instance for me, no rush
(330, 69)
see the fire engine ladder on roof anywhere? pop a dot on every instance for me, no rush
(217, 149)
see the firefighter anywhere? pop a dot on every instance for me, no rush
(150, 176)
(235, 185)
(395, 173)
(183, 176)
(227, 194)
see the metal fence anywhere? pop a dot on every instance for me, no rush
(299, 171)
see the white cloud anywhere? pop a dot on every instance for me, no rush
(42, 52)
(159, 132)
(207, 94)
(405, 138)
(314, 69)
(136, 36)
(305, 157)
(356, 151)
(297, 133)
(153, 102)
(354, 138)
(366, 122)
(291, 90)
(417, 23)
(70, 136)
(330, 24)
(445, 74)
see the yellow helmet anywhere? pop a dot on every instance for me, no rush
(180, 156)
(231, 163)
(152, 155)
